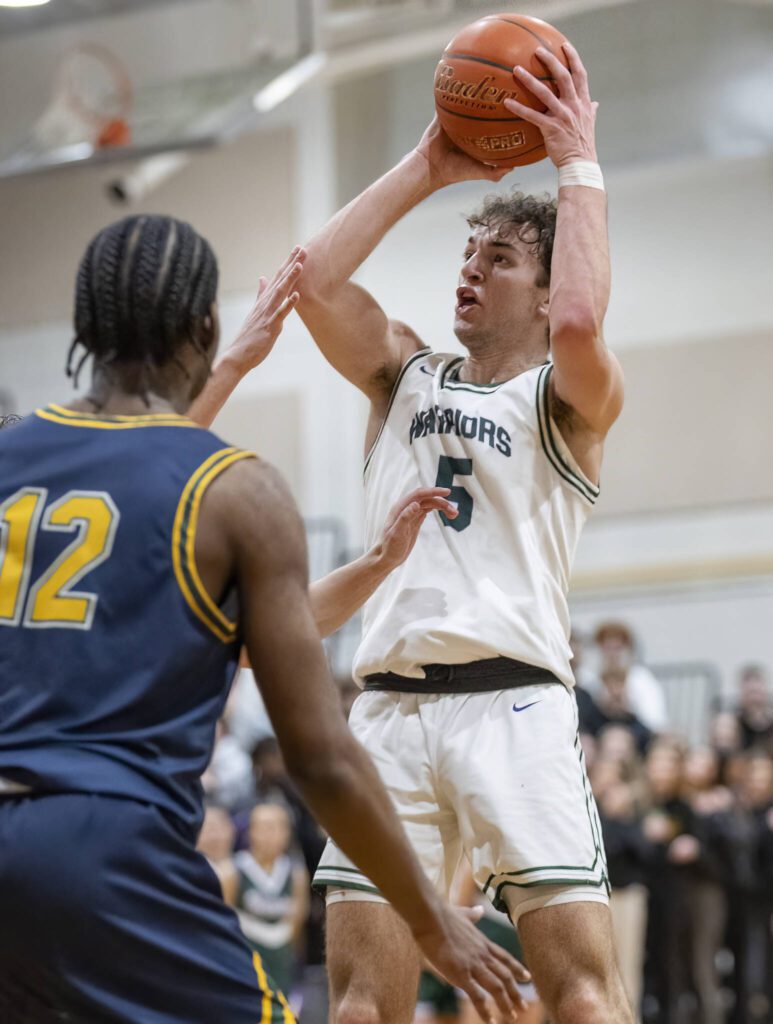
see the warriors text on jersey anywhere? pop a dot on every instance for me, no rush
(114, 661)
(492, 582)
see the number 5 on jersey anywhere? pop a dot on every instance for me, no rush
(50, 601)
(448, 468)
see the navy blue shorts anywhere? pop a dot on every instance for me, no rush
(108, 914)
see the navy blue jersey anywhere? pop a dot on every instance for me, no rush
(115, 663)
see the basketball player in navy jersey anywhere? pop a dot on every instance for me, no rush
(468, 708)
(137, 552)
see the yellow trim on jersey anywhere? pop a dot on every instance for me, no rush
(267, 1012)
(74, 418)
(184, 543)
(287, 1013)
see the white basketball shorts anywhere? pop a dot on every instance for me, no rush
(498, 775)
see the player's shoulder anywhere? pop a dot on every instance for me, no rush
(247, 478)
(252, 502)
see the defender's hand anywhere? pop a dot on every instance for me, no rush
(466, 959)
(276, 299)
(448, 165)
(404, 522)
(568, 125)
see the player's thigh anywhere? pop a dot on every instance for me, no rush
(390, 728)
(571, 954)
(373, 964)
(514, 770)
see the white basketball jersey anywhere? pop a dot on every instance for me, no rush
(492, 582)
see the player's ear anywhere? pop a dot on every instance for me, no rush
(212, 327)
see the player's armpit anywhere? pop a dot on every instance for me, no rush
(588, 378)
(358, 339)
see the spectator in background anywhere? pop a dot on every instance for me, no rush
(617, 652)
(626, 851)
(745, 844)
(706, 899)
(612, 705)
(273, 785)
(725, 734)
(272, 894)
(668, 828)
(755, 708)
(216, 842)
(227, 781)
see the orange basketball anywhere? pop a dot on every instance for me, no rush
(475, 75)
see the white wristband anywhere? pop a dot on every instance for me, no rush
(581, 172)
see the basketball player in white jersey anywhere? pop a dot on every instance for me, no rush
(468, 710)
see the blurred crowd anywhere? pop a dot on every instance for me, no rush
(688, 831)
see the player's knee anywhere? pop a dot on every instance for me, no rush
(591, 1001)
(358, 1011)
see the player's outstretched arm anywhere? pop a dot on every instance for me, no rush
(347, 323)
(338, 596)
(587, 376)
(276, 300)
(261, 530)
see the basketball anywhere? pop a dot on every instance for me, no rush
(475, 75)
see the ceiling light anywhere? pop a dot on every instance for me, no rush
(23, 3)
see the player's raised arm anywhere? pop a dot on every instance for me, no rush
(587, 376)
(262, 531)
(275, 301)
(350, 327)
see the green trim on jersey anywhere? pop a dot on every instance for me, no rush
(322, 881)
(454, 384)
(445, 376)
(409, 362)
(583, 487)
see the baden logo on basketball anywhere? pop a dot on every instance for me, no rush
(475, 76)
(467, 94)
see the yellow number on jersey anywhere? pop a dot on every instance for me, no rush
(19, 517)
(51, 601)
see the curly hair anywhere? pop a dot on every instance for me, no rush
(144, 287)
(532, 217)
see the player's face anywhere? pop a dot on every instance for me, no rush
(499, 296)
(217, 835)
(269, 831)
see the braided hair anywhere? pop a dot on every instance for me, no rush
(144, 288)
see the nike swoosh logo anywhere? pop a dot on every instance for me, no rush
(426, 369)
(524, 706)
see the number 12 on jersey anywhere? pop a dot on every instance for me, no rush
(50, 600)
(448, 468)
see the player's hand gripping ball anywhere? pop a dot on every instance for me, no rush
(475, 76)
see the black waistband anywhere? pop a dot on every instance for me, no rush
(473, 677)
